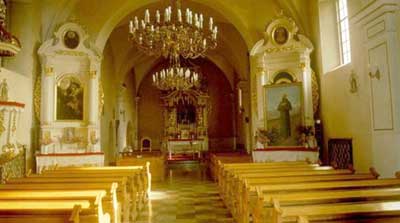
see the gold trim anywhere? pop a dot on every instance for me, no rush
(101, 99)
(315, 91)
(93, 74)
(2, 127)
(37, 94)
(390, 88)
(49, 71)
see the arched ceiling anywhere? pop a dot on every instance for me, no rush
(241, 24)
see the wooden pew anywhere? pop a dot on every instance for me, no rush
(263, 212)
(240, 193)
(313, 186)
(139, 174)
(110, 201)
(249, 191)
(365, 212)
(50, 211)
(231, 176)
(137, 190)
(95, 198)
(230, 166)
(282, 172)
(226, 172)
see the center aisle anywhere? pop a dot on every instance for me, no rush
(187, 196)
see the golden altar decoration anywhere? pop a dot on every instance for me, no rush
(186, 119)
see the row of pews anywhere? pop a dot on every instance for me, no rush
(76, 195)
(302, 192)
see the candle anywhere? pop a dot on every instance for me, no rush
(158, 16)
(136, 23)
(211, 23)
(147, 16)
(143, 24)
(179, 15)
(205, 43)
(131, 26)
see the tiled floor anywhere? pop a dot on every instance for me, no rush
(187, 196)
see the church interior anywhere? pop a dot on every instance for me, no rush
(199, 111)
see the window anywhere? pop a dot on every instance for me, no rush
(344, 32)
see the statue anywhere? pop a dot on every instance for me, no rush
(4, 90)
(284, 108)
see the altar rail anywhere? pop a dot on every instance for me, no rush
(13, 168)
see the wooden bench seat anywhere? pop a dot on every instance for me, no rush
(50, 211)
(137, 190)
(263, 211)
(371, 212)
(257, 191)
(110, 200)
(231, 176)
(240, 192)
(224, 191)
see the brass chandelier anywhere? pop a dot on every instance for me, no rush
(176, 78)
(173, 34)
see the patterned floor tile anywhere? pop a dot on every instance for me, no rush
(186, 196)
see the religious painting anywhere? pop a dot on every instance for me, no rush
(69, 99)
(71, 39)
(284, 105)
(280, 35)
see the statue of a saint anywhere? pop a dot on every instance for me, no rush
(4, 90)
(284, 108)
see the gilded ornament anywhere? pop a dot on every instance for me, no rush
(101, 98)
(49, 71)
(14, 122)
(37, 97)
(93, 74)
(2, 127)
(315, 91)
(4, 90)
(70, 53)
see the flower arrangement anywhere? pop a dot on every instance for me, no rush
(269, 136)
(307, 137)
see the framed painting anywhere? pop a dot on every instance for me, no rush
(283, 113)
(69, 99)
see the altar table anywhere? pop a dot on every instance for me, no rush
(278, 154)
(179, 146)
(44, 161)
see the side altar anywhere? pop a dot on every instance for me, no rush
(186, 122)
(68, 100)
(286, 94)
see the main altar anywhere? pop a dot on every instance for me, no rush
(186, 122)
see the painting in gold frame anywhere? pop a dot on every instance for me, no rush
(69, 99)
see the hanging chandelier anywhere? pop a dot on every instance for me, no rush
(174, 33)
(176, 78)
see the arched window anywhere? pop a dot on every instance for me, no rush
(344, 31)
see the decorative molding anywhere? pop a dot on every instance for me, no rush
(37, 94)
(93, 74)
(315, 91)
(49, 71)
